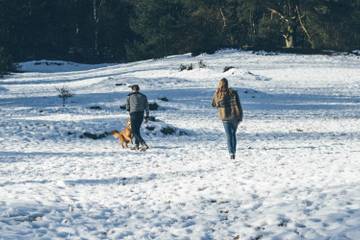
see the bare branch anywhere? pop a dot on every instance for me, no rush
(223, 18)
(275, 12)
(64, 94)
(96, 7)
(102, 2)
(303, 26)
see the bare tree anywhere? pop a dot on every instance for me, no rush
(64, 94)
(302, 24)
(292, 18)
(289, 22)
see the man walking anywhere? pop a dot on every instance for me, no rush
(137, 104)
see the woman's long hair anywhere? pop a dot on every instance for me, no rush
(222, 89)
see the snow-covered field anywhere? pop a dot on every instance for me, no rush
(296, 176)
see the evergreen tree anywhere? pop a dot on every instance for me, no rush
(6, 64)
(121, 30)
(160, 26)
(334, 24)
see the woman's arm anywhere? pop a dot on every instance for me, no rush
(214, 101)
(239, 106)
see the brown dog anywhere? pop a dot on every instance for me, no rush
(125, 136)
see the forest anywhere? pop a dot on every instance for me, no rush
(93, 31)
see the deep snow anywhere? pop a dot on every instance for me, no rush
(296, 175)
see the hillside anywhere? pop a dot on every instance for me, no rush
(296, 175)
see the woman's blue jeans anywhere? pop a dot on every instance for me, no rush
(230, 130)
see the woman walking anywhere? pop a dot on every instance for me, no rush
(227, 101)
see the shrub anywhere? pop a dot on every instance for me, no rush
(164, 99)
(186, 67)
(153, 106)
(64, 94)
(227, 68)
(152, 119)
(202, 64)
(94, 136)
(168, 130)
(150, 128)
(95, 107)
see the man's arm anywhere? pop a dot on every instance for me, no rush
(146, 108)
(128, 104)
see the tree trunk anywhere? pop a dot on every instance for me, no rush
(252, 31)
(224, 20)
(96, 28)
(289, 41)
(302, 24)
(30, 8)
(289, 22)
(289, 37)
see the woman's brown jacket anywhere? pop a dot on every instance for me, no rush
(229, 106)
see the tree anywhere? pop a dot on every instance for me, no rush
(289, 14)
(161, 27)
(122, 30)
(334, 24)
(114, 29)
(6, 63)
(64, 94)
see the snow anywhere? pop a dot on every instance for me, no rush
(296, 175)
(51, 66)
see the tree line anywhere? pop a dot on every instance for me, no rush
(125, 30)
